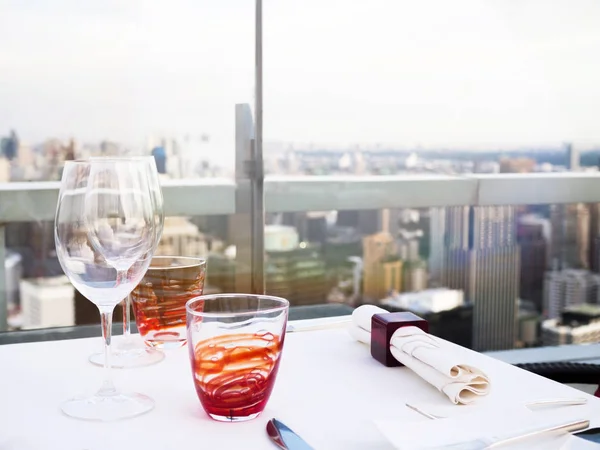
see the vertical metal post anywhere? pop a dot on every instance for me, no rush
(241, 228)
(257, 212)
(3, 293)
(247, 225)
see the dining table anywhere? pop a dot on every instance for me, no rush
(329, 390)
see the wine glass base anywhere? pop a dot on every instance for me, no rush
(129, 357)
(233, 419)
(107, 408)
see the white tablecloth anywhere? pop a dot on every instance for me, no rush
(329, 390)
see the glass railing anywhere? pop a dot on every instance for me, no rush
(468, 252)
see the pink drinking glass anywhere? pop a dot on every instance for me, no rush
(235, 343)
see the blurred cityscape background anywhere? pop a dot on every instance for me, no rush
(361, 89)
(488, 277)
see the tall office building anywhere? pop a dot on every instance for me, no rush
(483, 259)
(414, 268)
(573, 160)
(536, 220)
(494, 277)
(437, 227)
(455, 272)
(530, 237)
(594, 237)
(567, 288)
(415, 276)
(392, 276)
(378, 249)
(569, 246)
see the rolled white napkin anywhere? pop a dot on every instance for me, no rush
(360, 329)
(434, 360)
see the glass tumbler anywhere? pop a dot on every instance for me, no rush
(159, 299)
(235, 343)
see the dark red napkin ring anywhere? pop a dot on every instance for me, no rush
(383, 327)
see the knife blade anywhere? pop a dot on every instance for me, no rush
(284, 437)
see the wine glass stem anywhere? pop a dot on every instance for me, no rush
(108, 387)
(127, 317)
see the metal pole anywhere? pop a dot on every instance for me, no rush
(257, 212)
(3, 287)
(241, 228)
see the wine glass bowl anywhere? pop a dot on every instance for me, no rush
(119, 211)
(235, 343)
(98, 274)
(130, 351)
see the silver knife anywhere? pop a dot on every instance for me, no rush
(496, 441)
(284, 437)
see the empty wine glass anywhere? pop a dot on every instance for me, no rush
(130, 352)
(104, 233)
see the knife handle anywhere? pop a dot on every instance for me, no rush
(574, 425)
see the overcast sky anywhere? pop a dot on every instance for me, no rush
(473, 73)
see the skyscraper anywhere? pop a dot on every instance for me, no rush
(378, 249)
(594, 238)
(415, 268)
(569, 246)
(455, 271)
(483, 259)
(572, 157)
(533, 261)
(494, 277)
(437, 228)
(415, 276)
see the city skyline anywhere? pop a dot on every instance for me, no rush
(466, 74)
(494, 257)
